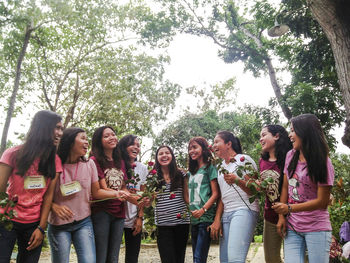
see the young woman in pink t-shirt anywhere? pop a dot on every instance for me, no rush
(308, 179)
(29, 173)
(69, 219)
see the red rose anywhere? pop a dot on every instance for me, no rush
(150, 164)
(242, 159)
(178, 216)
(14, 199)
(211, 148)
(153, 171)
(133, 165)
(172, 196)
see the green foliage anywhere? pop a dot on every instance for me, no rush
(83, 63)
(340, 208)
(246, 123)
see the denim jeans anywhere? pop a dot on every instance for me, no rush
(238, 230)
(132, 246)
(200, 242)
(317, 244)
(172, 242)
(81, 233)
(21, 233)
(108, 236)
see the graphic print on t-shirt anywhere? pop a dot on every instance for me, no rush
(114, 178)
(194, 186)
(294, 183)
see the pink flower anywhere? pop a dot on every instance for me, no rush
(172, 196)
(153, 172)
(211, 148)
(133, 165)
(178, 216)
(242, 159)
(150, 164)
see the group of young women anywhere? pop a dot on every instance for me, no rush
(68, 191)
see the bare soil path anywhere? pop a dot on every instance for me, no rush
(149, 254)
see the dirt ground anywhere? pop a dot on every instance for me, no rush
(149, 254)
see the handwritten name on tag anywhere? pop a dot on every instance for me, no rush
(70, 188)
(34, 182)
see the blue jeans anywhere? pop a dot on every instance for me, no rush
(238, 230)
(108, 236)
(21, 233)
(317, 244)
(81, 233)
(200, 242)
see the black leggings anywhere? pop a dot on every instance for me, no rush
(132, 246)
(172, 242)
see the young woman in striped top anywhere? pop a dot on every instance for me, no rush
(171, 215)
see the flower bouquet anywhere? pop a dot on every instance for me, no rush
(7, 204)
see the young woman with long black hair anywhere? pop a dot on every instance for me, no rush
(308, 180)
(108, 216)
(237, 215)
(203, 193)
(29, 172)
(129, 148)
(275, 144)
(170, 212)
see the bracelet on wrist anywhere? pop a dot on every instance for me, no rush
(289, 209)
(141, 217)
(41, 230)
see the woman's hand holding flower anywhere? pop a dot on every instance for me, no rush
(231, 178)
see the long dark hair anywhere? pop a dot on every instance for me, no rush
(97, 148)
(313, 145)
(124, 143)
(67, 143)
(229, 137)
(282, 146)
(176, 176)
(193, 165)
(39, 143)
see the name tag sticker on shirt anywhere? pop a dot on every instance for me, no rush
(70, 188)
(34, 182)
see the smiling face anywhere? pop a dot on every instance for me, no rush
(195, 151)
(220, 147)
(57, 133)
(164, 156)
(81, 145)
(267, 140)
(109, 139)
(295, 139)
(133, 150)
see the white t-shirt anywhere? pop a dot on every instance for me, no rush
(233, 196)
(131, 209)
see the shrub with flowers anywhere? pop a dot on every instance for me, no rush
(7, 204)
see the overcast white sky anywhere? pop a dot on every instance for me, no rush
(194, 61)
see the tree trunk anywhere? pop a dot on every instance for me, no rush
(332, 15)
(13, 97)
(276, 88)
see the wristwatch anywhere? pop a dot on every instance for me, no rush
(205, 210)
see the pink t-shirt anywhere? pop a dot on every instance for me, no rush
(301, 189)
(269, 214)
(29, 200)
(86, 174)
(114, 180)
